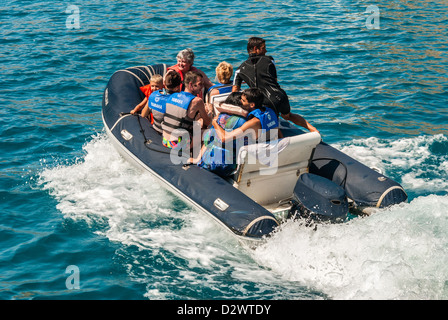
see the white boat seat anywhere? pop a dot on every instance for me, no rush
(218, 98)
(268, 172)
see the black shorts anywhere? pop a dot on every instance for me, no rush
(278, 103)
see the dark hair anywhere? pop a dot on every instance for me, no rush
(172, 79)
(191, 77)
(254, 42)
(254, 95)
(234, 99)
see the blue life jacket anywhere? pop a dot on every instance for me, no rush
(268, 118)
(222, 88)
(157, 104)
(218, 157)
(269, 121)
(176, 113)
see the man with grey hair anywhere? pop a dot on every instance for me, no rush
(185, 60)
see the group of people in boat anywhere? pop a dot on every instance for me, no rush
(175, 103)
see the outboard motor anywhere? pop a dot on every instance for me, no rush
(318, 198)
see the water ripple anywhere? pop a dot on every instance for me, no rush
(382, 92)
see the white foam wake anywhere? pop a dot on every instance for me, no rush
(127, 206)
(397, 253)
(420, 164)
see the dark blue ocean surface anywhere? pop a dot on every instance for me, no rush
(78, 222)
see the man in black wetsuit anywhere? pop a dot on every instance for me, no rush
(259, 72)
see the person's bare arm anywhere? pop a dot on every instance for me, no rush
(197, 105)
(145, 112)
(207, 82)
(195, 160)
(299, 120)
(140, 105)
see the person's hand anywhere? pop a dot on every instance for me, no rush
(312, 128)
(209, 108)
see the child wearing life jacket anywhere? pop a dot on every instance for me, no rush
(155, 84)
(214, 156)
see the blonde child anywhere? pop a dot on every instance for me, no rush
(155, 84)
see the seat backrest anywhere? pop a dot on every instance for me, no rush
(268, 172)
(217, 98)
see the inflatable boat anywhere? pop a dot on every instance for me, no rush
(302, 178)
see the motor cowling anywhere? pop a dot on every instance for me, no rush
(318, 198)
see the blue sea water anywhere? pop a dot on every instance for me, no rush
(78, 222)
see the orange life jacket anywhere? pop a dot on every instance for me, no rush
(182, 75)
(146, 90)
